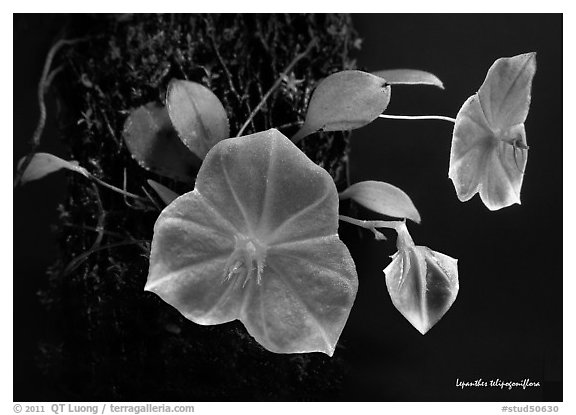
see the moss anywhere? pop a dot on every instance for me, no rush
(112, 340)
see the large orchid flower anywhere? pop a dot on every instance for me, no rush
(257, 241)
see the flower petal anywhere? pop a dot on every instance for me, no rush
(504, 173)
(307, 292)
(189, 252)
(505, 93)
(422, 284)
(471, 141)
(267, 187)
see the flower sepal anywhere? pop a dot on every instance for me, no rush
(422, 283)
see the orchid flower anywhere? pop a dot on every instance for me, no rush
(489, 149)
(422, 283)
(257, 241)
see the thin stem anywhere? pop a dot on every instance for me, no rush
(221, 60)
(53, 74)
(76, 261)
(109, 126)
(93, 229)
(371, 225)
(418, 117)
(290, 124)
(276, 85)
(151, 199)
(43, 85)
(101, 218)
(117, 190)
(124, 187)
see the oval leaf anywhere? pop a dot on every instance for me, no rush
(344, 101)
(43, 164)
(154, 144)
(422, 283)
(198, 116)
(163, 192)
(257, 241)
(409, 77)
(382, 198)
(489, 148)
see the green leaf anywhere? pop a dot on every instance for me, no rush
(382, 198)
(43, 164)
(409, 77)
(167, 195)
(198, 116)
(257, 240)
(155, 145)
(344, 101)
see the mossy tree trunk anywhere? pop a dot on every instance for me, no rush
(114, 341)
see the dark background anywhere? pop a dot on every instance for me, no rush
(507, 320)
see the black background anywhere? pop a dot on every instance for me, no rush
(507, 320)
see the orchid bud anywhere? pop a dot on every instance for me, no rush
(422, 283)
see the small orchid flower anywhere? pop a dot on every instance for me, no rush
(257, 241)
(489, 149)
(422, 283)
